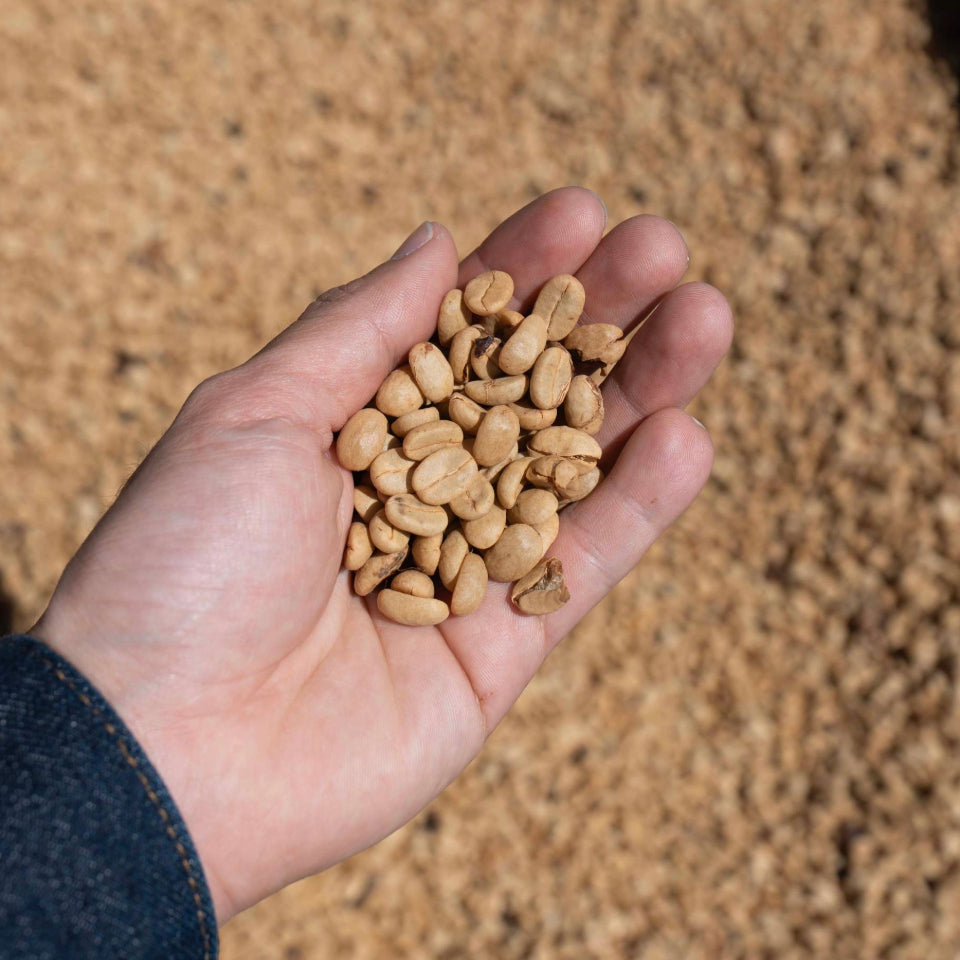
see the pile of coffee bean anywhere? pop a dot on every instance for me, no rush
(472, 448)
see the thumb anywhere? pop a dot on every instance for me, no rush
(330, 362)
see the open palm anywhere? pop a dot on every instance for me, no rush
(292, 724)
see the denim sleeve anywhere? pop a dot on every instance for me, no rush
(95, 859)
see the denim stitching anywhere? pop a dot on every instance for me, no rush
(154, 799)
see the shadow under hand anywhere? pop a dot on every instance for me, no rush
(944, 16)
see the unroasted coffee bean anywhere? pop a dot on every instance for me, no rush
(359, 548)
(532, 418)
(483, 358)
(466, 412)
(398, 394)
(376, 569)
(428, 438)
(565, 442)
(493, 472)
(501, 390)
(365, 502)
(475, 501)
(443, 475)
(403, 425)
(548, 529)
(496, 436)
(392, 473)
(426, 553)
(454, 317)
(461, 348)
(595, 342)
(489, 292)
(560, 303)
(511, 480)
(406, 512)
(514, 554)
(452, 552)
(470, 586)
(430, 371)
(361, 439)
(583, 406)
(533, 507)
(507, 321)
(414, 583)
(557, 474)
(526, 343)
(542, 590)
(550, 378)
(582, 487)
(486, 531)
(385, 536)
(411, 611)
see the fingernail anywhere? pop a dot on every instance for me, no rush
(606, 216)
(423, 234)
(697, 422)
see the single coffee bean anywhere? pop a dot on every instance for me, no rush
(426, 553)
(548, 529)
(465, 412)
(359, 549)
(496, 436)
(582, 487)
(452, 552)
(443, 475)
(531, 417)
(565, 442)
(406, 512)
(558, 474)
(414, 583)
(515, 553)
(454, 316)
(428, 438)
(560, 303)
(483, 358)
(511, 480)
(461, 348)
(485, 532)
(361, 439)
(612, 354)
(377, 569)
(591, 341)
(385, 536)
(470, 587)
(550, 378)
(392, 473)
(430, 371)
(542, 590)
(493, 472)
(501, 390)
(526, 343)
(365, 502)
(583, 406)
(533, 507)
(475, 501)
(403, 425)
(411, 611)
(489, 292)
(399, 393)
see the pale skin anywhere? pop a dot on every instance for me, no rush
(292, 724)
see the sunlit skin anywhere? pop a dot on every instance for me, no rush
(292, 724)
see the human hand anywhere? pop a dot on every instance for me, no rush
(293, 724)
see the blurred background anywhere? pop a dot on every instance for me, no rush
(749, 750)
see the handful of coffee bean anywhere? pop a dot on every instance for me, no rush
(472, 448)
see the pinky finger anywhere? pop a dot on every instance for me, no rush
(659, 472)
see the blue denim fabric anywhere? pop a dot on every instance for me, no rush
(95, 859)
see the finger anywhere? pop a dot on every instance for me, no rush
(331, 361)
(668, 361)
(554, 234)
(661, 470)
(636, 263)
